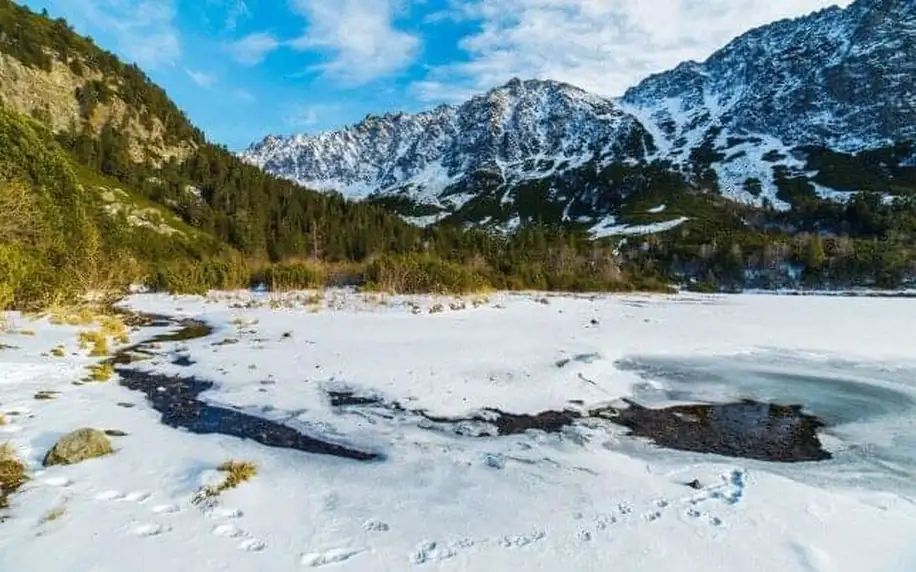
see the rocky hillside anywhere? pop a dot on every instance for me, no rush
(785, 113)
(52, 74)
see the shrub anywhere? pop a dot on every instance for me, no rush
(414, 274)
(198, 277)
(12, 473)
(294, 275)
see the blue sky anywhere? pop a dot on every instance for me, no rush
(245, 68)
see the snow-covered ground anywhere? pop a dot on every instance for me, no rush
(588, 498)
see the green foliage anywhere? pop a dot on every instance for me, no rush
(198, 277)
(294, 275)
(421, 274)
(886, 170)
(47, 234)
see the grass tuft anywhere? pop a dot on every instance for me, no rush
(236, 473)
(101, 372)
(59, 351)
(12, 473)
(96, 340)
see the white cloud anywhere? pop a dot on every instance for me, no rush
(604, 46)
(202, 79)
(142, 31)
(358, 37)
(253, 48)
(238, 9)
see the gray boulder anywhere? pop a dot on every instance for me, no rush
(78, 446)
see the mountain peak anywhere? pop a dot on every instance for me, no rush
(426, 153)
(840, 78)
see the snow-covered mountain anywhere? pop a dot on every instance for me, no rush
(520, 130)
(843, 80)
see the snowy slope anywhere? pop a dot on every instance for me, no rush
(839, 78)
(576, 500)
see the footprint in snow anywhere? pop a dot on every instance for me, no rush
(109, 496)
(604, 521)
(522, 540)
(333, 556)
(252, 545)
(227, 531)
(139, 497)
(652, 516)
(148, 530)
(373, 525)
(166, 509)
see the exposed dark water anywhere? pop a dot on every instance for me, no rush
(176, 398)
(503, 424)
(747, 429)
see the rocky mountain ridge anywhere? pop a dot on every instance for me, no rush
(741, 123)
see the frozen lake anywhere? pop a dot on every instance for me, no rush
(440, 392)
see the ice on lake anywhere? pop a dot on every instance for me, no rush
(582, 497)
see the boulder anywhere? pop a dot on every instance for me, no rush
(78, 446)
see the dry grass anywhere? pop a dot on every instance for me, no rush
(46, 395)
(73, 315)
(59, 351)
(236, 473)
(12, 473)
(95, 340)
(101, 372)
(114, 328)
(2, 419)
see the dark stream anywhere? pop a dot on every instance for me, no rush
(176, 398)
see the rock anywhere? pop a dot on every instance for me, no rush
(695, 484)
(78, 446)
(115, 433)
